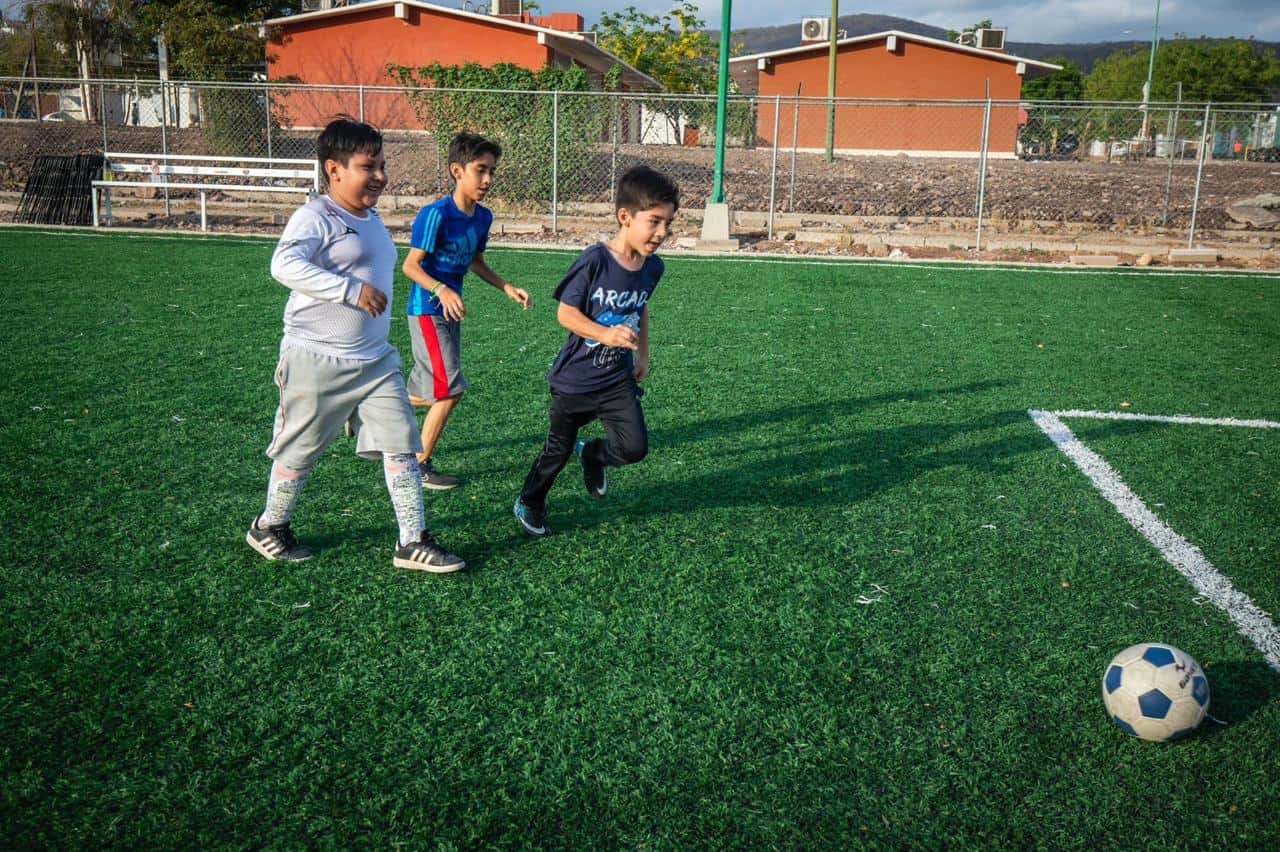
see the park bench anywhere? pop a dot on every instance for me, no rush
(153, 172)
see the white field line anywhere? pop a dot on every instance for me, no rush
(1178, 418)
(1184, 556)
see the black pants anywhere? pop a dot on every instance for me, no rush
(618, 409)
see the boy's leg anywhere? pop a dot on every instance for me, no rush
(308, 418)
(569, 413)
(436, 381)
(418, 550)
(390, 431)
(270, 533)
(432, 427)
(627, 436)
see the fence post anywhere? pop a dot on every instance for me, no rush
(613, 160)
(1195, 204)
(361, 87)
(164, 135)
(268, 100)
(795, 140)
(773, 171)
(102, 108)
(982, 169)
(555, 158)
(1171, 141)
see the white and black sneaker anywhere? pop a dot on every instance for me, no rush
(426, 554)
(595, 476)
(435, 480)
(534, 521)
(277, 543)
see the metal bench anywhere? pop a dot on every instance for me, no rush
(194, 173)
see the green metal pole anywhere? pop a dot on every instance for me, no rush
(722, 98)
(831, 81)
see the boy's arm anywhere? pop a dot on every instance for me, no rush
(485, 273)
(450, 301)
(618, 336)
(292, 266)
(642, 348)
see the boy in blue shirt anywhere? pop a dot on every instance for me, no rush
(603, 305)
(448, 238)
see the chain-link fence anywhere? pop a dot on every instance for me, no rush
(1002, 166)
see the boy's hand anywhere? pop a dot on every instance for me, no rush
(520, 297)
(620, 337)
(371, 300)
(641, 370)
(450, 303)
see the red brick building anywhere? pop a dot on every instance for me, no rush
(890, 66)
(353, 45)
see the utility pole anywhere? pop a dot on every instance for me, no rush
(1151, 67)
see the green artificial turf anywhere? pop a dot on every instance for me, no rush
(854, 596)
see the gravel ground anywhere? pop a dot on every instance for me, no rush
(877, 199)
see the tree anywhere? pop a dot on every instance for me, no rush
(208, 40)
(1064, 85)
(1210, 70)
(984, 24)
(672, 48)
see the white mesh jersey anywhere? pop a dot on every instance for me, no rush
(324, 256)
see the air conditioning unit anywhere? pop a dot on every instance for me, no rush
(967, 39)
(990, 39)
(815, 29)
(512, 8)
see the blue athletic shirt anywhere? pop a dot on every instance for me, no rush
(451, 240)
(610, 295)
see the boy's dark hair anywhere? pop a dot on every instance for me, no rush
(466, 147)
(343, 137)
(641, 188)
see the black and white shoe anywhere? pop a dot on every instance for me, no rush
(277, 543)
(595, 476)
(426, 554)
(435, 480)
(533, 521)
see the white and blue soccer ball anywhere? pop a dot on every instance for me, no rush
(1155, 692)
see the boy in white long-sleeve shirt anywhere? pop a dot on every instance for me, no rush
(336, 364)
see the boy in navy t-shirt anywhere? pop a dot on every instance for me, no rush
(448, 238)
(603, 300)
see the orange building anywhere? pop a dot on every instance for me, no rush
(353, 45)
(898, 79)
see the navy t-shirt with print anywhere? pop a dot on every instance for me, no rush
(610, 295)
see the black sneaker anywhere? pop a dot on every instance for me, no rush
(596, 476)
(534, 521)
(277, 542)
(426, 554)
(434, 479)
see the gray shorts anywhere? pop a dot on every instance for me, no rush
(320, 393)
(437, 359)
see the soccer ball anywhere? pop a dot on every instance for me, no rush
(1155, 692)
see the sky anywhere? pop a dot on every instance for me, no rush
(1038, 21)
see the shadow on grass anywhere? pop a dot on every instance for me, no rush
(816, 455)
(1237, 690)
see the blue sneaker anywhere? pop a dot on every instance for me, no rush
(595, 476)
(534, 521)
